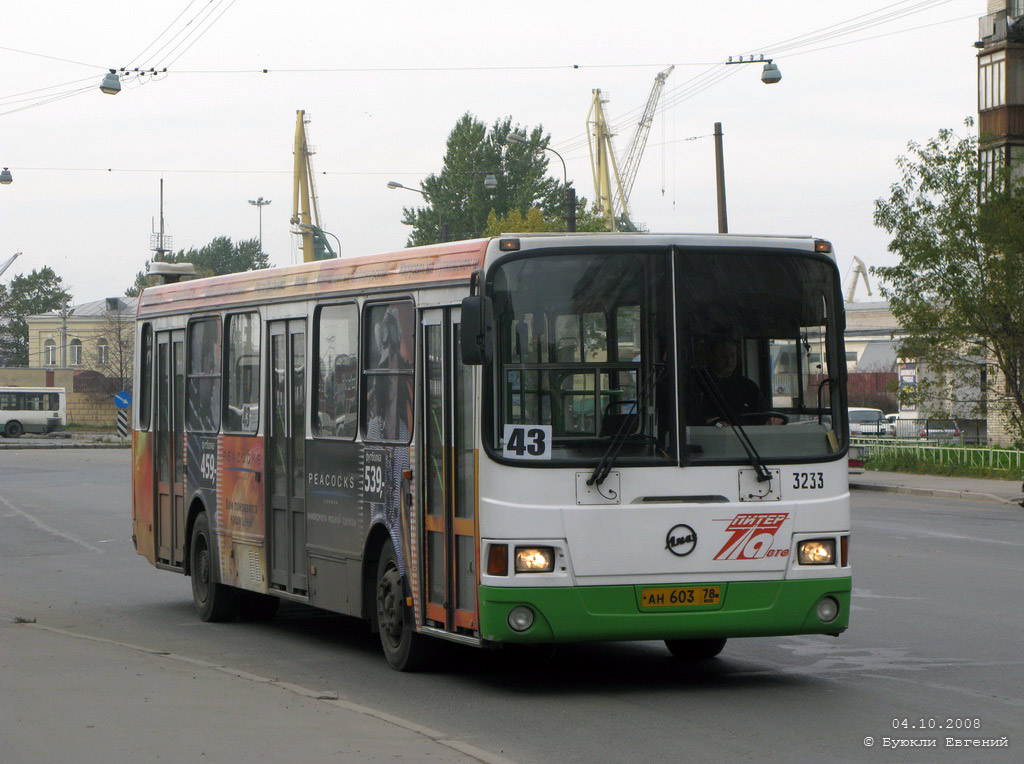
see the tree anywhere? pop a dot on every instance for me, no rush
(456, 197)
(217, 258)
(958, 290)
(118, 332)
(535, 222)
(39, 292)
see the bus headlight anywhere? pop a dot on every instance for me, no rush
(535, 559)
(817, 552)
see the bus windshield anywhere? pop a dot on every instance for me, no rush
(761, 346)
(637, 352)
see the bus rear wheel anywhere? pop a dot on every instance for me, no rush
(13, 430)
(695, 649)
(404, 649)
(214, 602)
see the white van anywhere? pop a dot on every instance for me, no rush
(867, 422)
(31, 409)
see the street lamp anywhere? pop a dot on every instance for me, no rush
(6, 178)
(442, 228)
(111, 84)
(260, 203)
(570, 192)
(769, 75)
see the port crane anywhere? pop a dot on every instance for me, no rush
(612, 187)
(305, 207)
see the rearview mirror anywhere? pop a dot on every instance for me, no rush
(477, 333)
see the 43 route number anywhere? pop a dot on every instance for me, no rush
(527, 441)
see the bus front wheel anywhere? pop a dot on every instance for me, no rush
(214, 602)
(403, 647)
(13, 430)
(695, 649)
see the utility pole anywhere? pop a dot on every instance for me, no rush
(723, 218)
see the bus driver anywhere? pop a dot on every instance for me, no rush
(741, 395)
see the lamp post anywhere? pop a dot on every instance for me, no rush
(442, 228)
(6, 178)
(260, 203)
(570, 192)
(770, 75)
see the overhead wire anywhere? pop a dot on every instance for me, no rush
(716, 73)
(143, 52)
(50, 99)
(48, 87)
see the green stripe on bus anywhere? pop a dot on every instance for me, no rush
(608, 613)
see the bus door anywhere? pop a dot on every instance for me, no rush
(286, 440)
(448, 465)
(170, 452)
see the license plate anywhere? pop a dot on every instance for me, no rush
(681, 596)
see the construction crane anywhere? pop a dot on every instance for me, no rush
(305, 208)
(612, 188)
(8, 262)
(859, 270)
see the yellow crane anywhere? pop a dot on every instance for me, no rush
(305, 208)
(612, 189)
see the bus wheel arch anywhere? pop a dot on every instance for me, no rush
(194, 510)
(372, 550)
(391, 617)
(214, 602)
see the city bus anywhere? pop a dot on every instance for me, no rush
(31, 409)
(526, 439)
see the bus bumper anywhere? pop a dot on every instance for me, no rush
(608, 613)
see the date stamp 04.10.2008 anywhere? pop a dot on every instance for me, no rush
(937, 732)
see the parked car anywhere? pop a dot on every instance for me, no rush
(865, 421)
(856, 457)
(940, 429)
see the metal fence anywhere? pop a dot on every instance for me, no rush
(931, 452)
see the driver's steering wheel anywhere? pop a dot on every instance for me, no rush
(756, 415)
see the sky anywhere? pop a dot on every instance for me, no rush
(384, 83)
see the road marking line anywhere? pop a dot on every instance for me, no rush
(43, 526)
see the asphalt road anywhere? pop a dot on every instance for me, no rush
(935, 635)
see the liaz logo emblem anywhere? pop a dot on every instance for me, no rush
(681, 540)
(752, 537)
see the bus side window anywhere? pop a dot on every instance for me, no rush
(389, 333)
(242, 375)
(336, 395)
(146, 376)
(203, 394)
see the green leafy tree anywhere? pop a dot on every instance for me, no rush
(38, 292)
(534, 221)
(958, 290)
(217, 258)
(456, 197)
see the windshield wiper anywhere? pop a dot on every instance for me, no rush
(618, 438)
(726, 412)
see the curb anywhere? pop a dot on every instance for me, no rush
(936, 493)
(30, 445)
